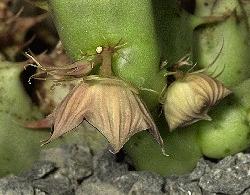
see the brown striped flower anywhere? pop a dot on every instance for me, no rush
(189, 98)
(110, 105)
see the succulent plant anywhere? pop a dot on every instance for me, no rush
(119, 55)
(139, 61)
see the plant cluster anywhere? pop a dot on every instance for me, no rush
(116, 78)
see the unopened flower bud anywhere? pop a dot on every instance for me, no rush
(189, 98)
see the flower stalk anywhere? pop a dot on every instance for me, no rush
(106, 66)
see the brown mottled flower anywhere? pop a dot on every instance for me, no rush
(190, 97)
(110, 105)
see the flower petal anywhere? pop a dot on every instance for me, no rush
(118, 113)
(70, 112)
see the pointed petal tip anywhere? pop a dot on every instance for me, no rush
(164, 152)
(172, 126)
(228, 92)
(207, 117)
(112, 151)
(42, 144)
(45, 142)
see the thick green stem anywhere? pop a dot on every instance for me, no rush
(233, 31)
(228, 132)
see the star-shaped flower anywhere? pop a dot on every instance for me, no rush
(109, 104)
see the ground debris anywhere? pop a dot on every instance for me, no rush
(74, 170)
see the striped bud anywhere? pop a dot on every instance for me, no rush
(189, 98)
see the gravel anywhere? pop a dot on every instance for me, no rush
(74, 170)
(230, 176)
